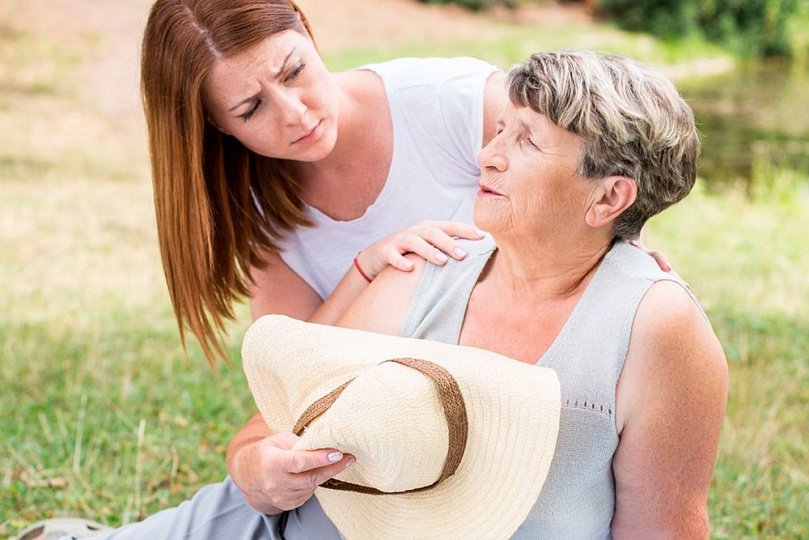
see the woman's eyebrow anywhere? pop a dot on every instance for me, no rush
(284, 63)
(246, 100)
(278, 73)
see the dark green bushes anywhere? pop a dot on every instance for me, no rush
(751, 27)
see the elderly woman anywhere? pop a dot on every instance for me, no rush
(587, 150)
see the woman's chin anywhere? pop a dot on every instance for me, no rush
(486, 218)
(320, 150)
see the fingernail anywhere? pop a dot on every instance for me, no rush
(408, 265)
(351, 462)
(440, 257)
(481, 233)
(334, 457)
(459, 252)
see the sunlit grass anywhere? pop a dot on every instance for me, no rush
(109, 419)
(34, 66)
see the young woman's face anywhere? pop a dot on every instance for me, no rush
(277, 98)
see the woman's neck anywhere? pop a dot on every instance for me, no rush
(540, 287)
(540, 272)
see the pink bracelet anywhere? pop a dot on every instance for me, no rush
(363, 274)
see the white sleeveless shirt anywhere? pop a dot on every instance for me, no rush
(436, 107)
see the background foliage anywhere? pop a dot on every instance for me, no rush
(751, 27)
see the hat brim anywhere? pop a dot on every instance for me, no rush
(513, 415)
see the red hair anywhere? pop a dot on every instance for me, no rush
(218, 205)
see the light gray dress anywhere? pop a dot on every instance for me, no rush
(578, 497)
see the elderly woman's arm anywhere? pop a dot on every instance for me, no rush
(670, 403)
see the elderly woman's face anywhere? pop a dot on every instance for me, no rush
(528, 181)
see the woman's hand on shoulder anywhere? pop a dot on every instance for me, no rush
(433, 241)
(275, 478)
(659, 257)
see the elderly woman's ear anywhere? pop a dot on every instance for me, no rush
(610, 197)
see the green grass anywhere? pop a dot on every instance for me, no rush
(104, 416)
(746, 262)
(109, 419)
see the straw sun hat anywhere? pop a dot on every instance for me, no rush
(450, 441)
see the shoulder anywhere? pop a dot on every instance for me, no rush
(477, 248)
(670, 405)
(384, 305)
(669, 312)
(631, 262)
(673, 353)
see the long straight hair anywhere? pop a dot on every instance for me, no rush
(218, 205)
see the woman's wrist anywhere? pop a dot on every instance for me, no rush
(244, 469)
(235, 461)
(360, 269)
(251, 433)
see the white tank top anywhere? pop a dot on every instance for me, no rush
(436, 105)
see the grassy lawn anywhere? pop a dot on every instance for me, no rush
(103, 414)
(745, 261)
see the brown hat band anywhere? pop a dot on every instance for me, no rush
(454, 410)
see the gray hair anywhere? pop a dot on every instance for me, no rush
(631, 119)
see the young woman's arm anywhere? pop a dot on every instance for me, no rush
(278, 289)
(261, 463)
(670, 404)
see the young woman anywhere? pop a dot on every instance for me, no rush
(272, 174)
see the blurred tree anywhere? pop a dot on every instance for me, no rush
(752, 27)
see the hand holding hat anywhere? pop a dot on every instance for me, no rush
(450, 441)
